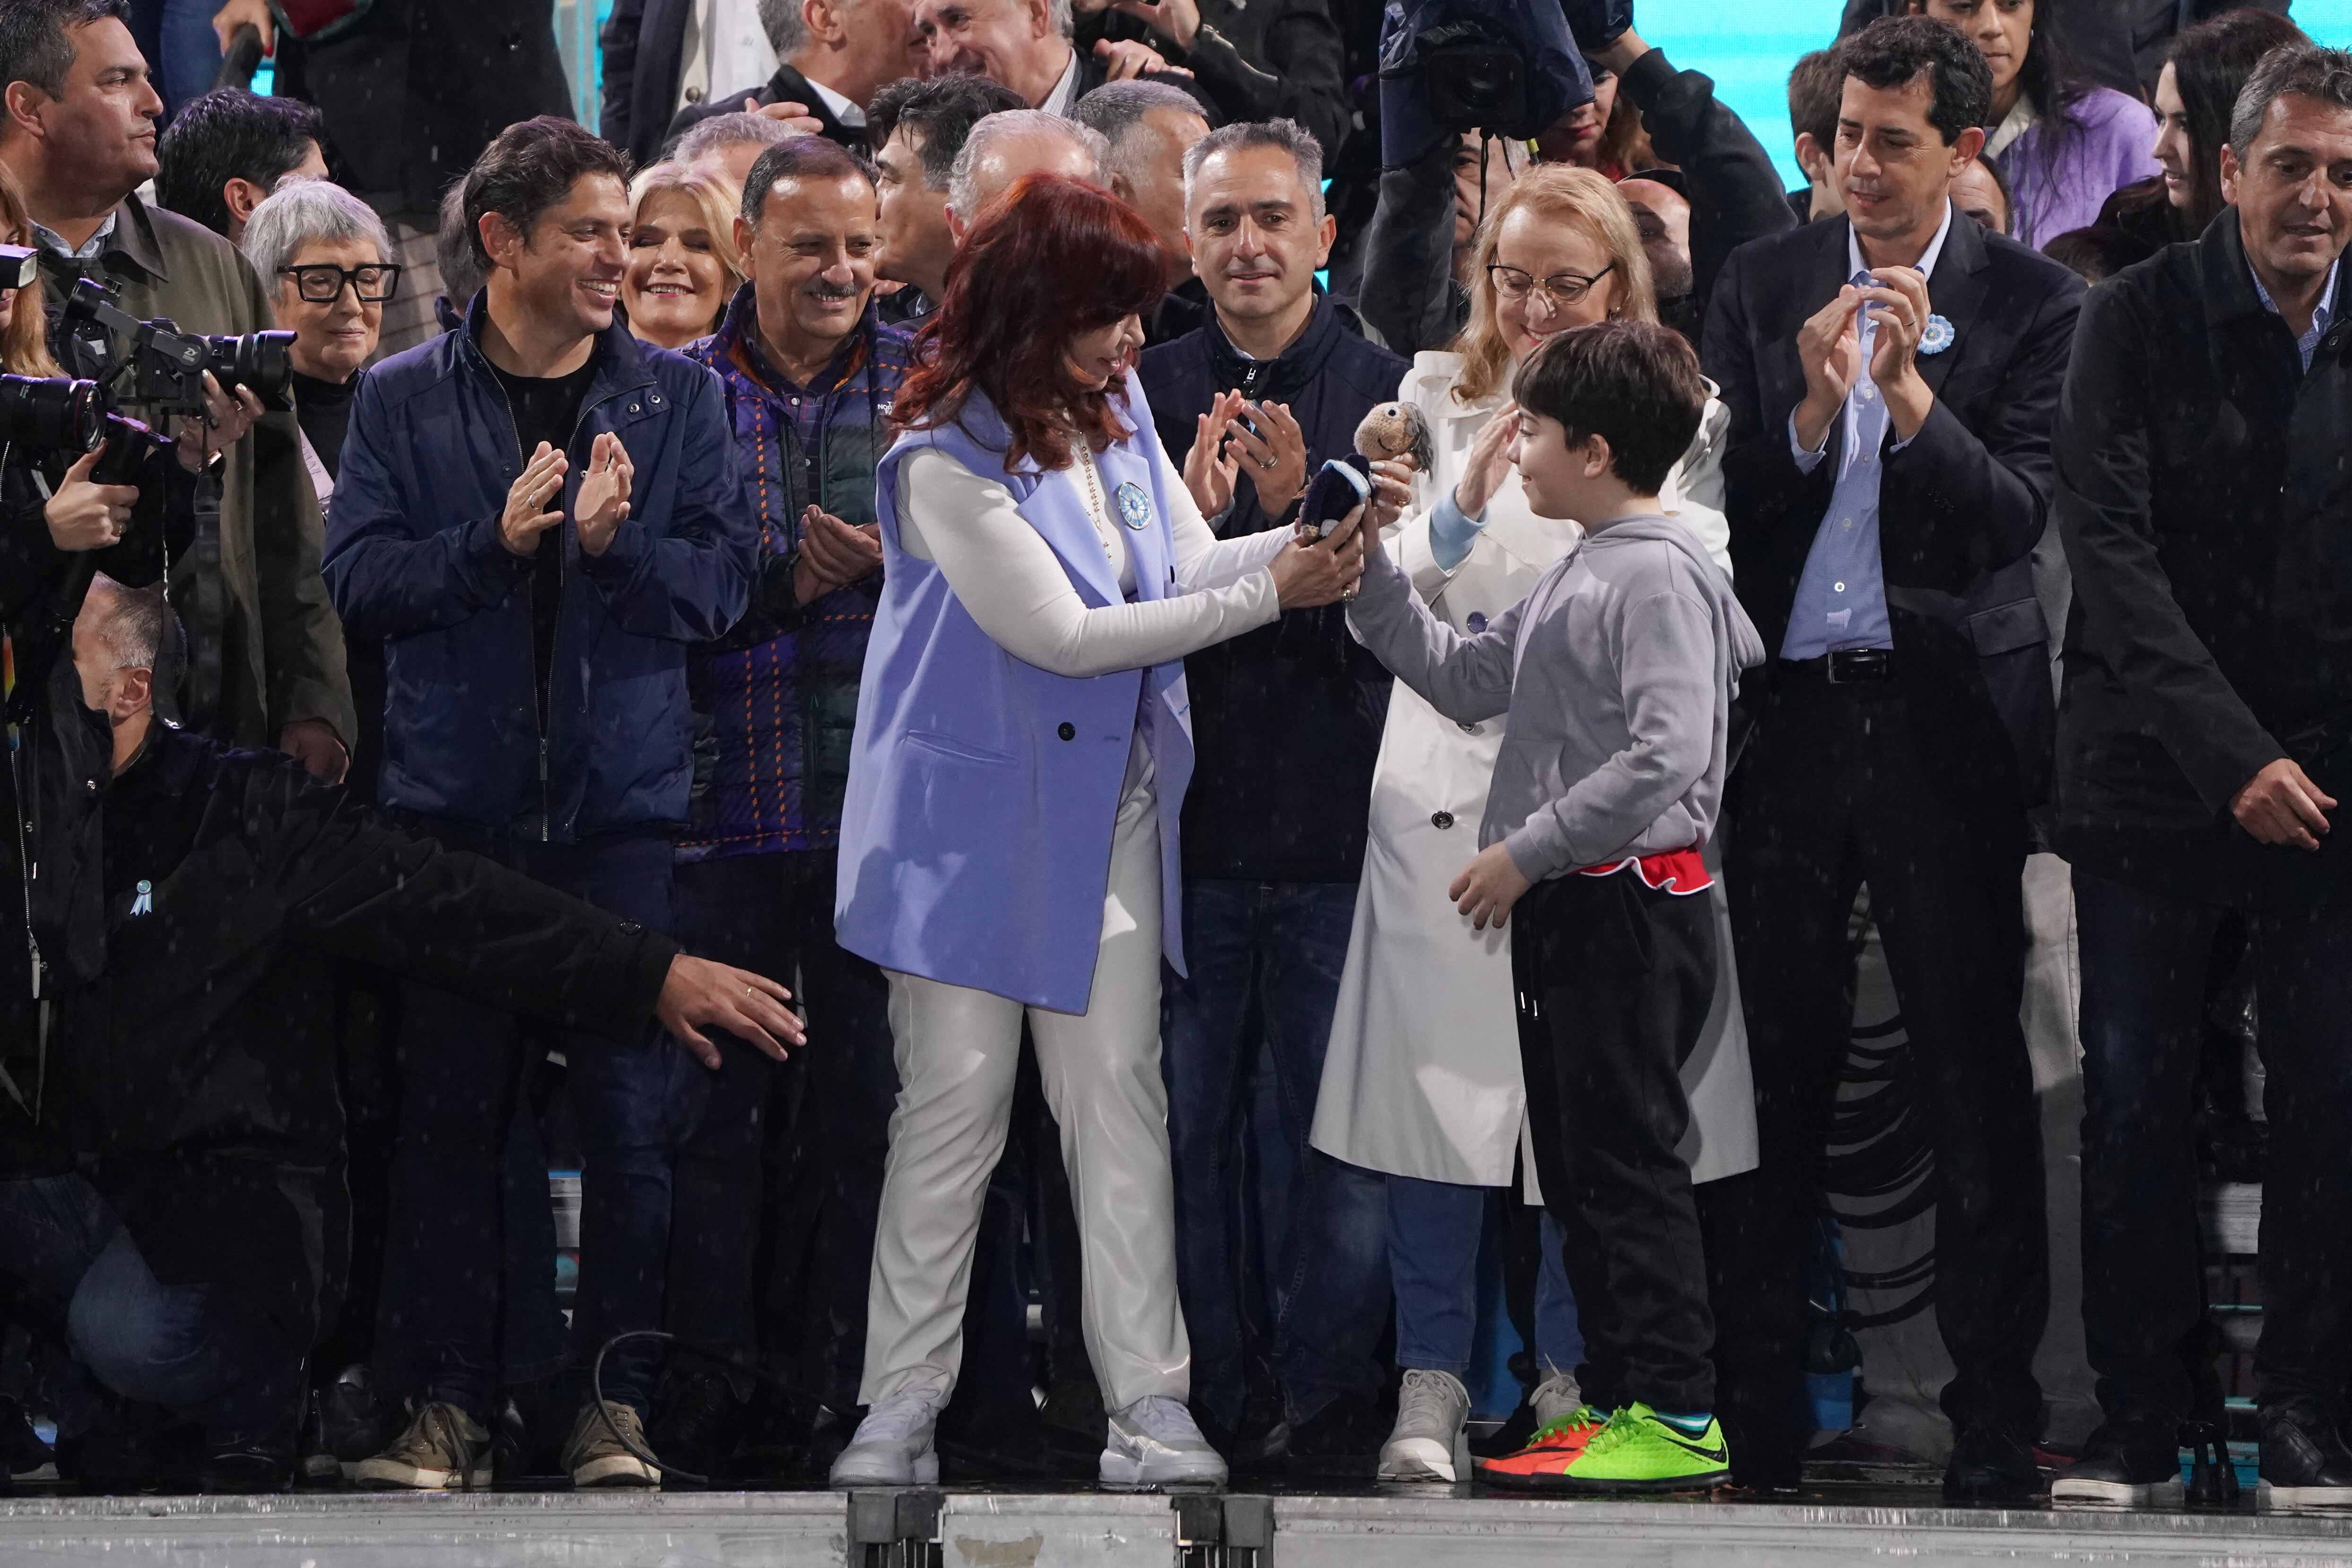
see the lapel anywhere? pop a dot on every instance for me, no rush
(1956, 294)
(1122, 465)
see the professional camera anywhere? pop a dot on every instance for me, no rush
(50, 414)
(156, 365)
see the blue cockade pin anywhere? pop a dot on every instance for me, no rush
(1936, 336)
(1134, 506)
(144, 904)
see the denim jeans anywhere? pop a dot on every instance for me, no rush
(2144, 958)
(814, 1185)
(177, 37)
(470, 1220)
(1435, 1232)
(198, 1350)
(1281, 945)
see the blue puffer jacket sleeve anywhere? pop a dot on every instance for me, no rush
(691, 583)
(386, 579)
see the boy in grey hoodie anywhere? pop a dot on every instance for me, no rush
(1618, 672)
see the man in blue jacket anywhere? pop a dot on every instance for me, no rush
(540, 515)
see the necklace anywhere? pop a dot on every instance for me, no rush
(1098, 509)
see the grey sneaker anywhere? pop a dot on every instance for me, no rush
(595, 1455)
(1431, 1440)
(892, 1446)
(1154, 1443)
(1554, 1397)
(444, 1449)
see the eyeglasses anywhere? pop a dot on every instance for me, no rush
(322, 284)
(1562, 289)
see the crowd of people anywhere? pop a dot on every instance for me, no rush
(1086, 660)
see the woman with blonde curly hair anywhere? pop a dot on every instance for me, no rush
(683, 265)
(1422, 1078)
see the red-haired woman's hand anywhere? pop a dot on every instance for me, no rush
(1323, 573)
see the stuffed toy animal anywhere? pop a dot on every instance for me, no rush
(1391, 430)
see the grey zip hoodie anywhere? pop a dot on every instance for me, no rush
(1618, 671)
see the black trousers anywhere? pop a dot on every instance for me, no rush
(1831, 794)
(1614, 980)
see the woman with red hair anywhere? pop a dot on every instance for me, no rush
(1008, 846)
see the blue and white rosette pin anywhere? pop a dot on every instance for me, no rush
(1134, 506)
(1937, 335)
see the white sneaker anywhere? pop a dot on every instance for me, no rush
(1431, 1440)
(1154, 1443)
(1554, 1397)
(892, 1446)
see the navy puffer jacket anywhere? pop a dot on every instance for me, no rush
(413, 557)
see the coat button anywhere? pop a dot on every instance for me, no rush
(1067, 732)
(630, 928)
(1441, 819)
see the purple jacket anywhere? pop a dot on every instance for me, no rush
(975, 840)
(2061, 190)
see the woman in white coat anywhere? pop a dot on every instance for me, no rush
(1421, 1079)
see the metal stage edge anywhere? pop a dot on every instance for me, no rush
(1009, 1529)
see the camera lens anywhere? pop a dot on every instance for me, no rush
(262, 360)
(49, 413)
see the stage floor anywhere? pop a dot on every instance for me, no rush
(1371, 1528)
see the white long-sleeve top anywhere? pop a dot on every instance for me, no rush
(1020, 593)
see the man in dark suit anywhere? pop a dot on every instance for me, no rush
(1892, 376)
(2204, 740)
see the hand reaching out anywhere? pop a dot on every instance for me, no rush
(795, 116)
(698, 995)
(1488, 887)
(1309, 572)
(1129, 59)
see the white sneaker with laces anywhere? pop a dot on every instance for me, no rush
(1155, 1443)
(1554, 1397)
(1431, 1440)
(892, 1446)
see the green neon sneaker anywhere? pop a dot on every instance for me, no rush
(1639, 1452)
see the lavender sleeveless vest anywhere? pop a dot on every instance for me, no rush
(975, 838)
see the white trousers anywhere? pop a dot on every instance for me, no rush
(956, 1050)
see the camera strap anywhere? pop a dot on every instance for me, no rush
(201, 602)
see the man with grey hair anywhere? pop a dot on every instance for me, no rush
(1150, 126)
(2201, 752)
(725, 146)
(833, 57)
(1287, 722)
(1025, 45)
(1004, 147)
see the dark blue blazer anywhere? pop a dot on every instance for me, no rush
(1960, 508)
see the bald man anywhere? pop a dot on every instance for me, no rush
(1004, 147)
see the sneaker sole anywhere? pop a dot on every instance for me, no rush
(1425, 1459)
(615, 1470)
(1700, 1481)
(2173, 1493)
(923, 1472)
(2269, 1495)
(1523, 1481)
(1122, 1473)
(408, 1478)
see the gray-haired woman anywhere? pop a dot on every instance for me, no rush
(326, 257)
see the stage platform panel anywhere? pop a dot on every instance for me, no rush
(1828, 1527)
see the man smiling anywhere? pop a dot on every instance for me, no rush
(539, 515)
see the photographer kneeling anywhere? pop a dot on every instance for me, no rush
(190, 901)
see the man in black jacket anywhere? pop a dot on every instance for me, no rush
(2204, 739)
(1286, 723)
(1892, 378)
(1257, 59)
(831, 59)
(191, 902)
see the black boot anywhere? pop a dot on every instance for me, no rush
(2305, 1462)
(1989, 1464)
(131, 1449)
(2213, 1475)
(2133, 1464)
(698, 1424)
(263, 1465)
(354, 1423)
(1767, 1455)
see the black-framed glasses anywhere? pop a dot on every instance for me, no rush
(1562, 289)
(323, 284)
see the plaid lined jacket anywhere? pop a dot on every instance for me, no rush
(776, 699)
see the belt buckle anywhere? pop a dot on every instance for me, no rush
(1863, 664)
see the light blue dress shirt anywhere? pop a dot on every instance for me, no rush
(2320, 316)
(1842, 595)
(95, 246)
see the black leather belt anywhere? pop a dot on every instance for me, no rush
(1845, 666)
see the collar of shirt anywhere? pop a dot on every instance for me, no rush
(2321, 313)
(95, 246)
(1064, 96)
(1855, 265)
(844, 110)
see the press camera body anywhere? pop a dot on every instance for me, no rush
(155, 366)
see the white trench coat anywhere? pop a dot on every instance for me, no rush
(1422, 1075)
